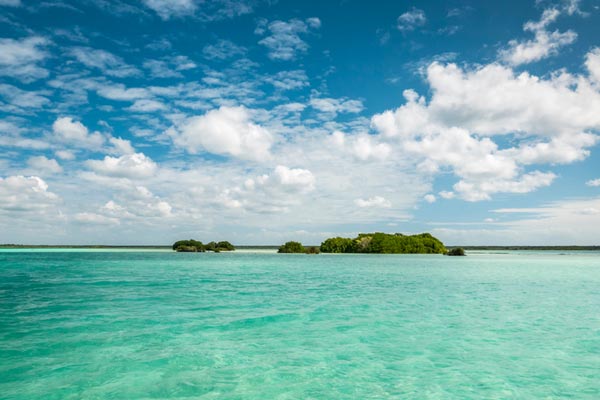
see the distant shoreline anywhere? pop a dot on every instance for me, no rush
(274, 247)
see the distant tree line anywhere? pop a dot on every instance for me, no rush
(194, 246)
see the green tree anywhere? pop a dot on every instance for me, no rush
(292, 247)
(225, 246)
(337, 245)
(188, 246)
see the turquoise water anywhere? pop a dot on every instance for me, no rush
(162, 325)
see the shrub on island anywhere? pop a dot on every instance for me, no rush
(457, 251)
(385, 243)
(196, 246)
(292, 247)
(297, 247)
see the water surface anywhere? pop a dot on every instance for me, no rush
(244, 325)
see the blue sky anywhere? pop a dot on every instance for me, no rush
(144, 122)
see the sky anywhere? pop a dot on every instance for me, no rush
(258, 122)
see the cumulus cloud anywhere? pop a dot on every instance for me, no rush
(121, 146)
(444, 194)
(270, 193)
(43, 165)
(553, 118)
(65, 155)
(593, 182)
(74, 133)
(19, 194)
(362, 146)
(430, 198)
(20, 58)
(411, 20)
(136, 202)
(226, 131)
(284, 41)
(543, 45)
(103, 60)
(375, 201)
(133, 166)
(592, 63)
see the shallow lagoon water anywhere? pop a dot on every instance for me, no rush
(258, 325)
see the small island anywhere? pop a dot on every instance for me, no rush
(195, 246)
(457, 251)
(297, 247)
(373, 243)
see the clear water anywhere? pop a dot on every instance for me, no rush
(162, 325)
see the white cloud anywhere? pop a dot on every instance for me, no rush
(430, 198)
(592, 63)
(362, 146)
(295, 179)
(284, 42)
(223, 50)
(411, 20)
(332, 107)
(95, 219)
(25, 194)
(544, 44)
(120, 92)
(147, 105)
(133, 166)
(169, 67)
(10, 3)
(446, 194)
(550, 119)
(74, 133)
(558, 223)
(43, 165)
(365, 148)
(167, 9)
(593, 182)
(103, 60)
(482, 190)
(65, 155)
(121, 146)
(375, 201)
(20, 58)
(136, 202)
(11, 135)
(288, 80)
(276, 192)
(19, 100)
(227, 131)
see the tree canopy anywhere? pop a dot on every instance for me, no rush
(457, 251)
(192, 245)
(385, 243)
(292, 247)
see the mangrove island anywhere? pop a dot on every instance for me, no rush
(195, 246)
(373, 243)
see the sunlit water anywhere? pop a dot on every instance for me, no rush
(150, 325)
